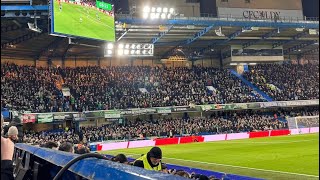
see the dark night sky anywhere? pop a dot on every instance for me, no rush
(310, 8)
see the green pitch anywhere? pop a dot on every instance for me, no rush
(83, 21)
(282, 157)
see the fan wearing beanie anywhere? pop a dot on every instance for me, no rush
(151, 160)
(13, 134)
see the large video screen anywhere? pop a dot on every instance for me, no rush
(83, 18)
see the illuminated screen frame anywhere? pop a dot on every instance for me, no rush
(54, 32)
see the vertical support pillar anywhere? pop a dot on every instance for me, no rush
(220, 60)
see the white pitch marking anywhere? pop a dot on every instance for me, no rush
(242, 167)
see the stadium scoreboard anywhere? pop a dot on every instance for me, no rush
(82, 19)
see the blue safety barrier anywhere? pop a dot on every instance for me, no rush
(93, 168)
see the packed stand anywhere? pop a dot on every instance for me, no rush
(118, 87)
(30, 88)
(94, 88)
(284, 82)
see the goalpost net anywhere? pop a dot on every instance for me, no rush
(303, 122)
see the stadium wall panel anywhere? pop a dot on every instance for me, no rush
(191, 139)
(150, 63)
(280, 132)
(218, 137)
(105, 62)
(57, 62)
(137, 62)
(314, 129)
(113, 146)
(166, 141)
(262, 4)
(304, 130)
(70, 63)
(42, 63)
(81, 63)
(92, 62)
(18, 62)
(258, 134)
(143, 143)
(238, 136)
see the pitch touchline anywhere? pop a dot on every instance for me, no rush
(242, 167)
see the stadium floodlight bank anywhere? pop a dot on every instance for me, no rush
(129, 50)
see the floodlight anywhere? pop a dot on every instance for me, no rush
(163, 15)
(132, 51)
(171, 10)
(126, 52)
(109, 52)
(138, 52)
(146, 9)
(120, 52)
(153, 9)
(139, 46)
(157, 15)
(145, 15)
(120, 46)
(133, 46)
(127, 46)
(169, 16)
(144, 52)
(165, 10)
(152, 15)
(159, 10)
(110, 46)
(146, 46)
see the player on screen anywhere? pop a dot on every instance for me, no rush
(60, 5)
(97, 15)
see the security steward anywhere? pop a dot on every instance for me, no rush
(151, 160)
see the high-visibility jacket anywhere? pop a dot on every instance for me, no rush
(146, 164)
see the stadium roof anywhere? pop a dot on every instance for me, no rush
(190, 35)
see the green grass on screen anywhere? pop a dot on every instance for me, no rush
(83, 21)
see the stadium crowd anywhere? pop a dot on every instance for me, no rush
(93, 88)
(287, 81)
